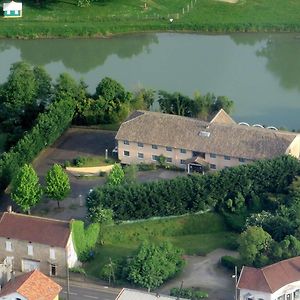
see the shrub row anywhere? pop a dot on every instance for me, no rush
(194, 193)
(49, 126)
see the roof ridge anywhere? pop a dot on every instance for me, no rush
(271, 290)
(280, 262)
(32, 216)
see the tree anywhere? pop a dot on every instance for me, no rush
(116, 175)
(43, 83)
(143, 98)
(57, 184)
(154, 264)
(253, 243)
(26, 190)
(130, 173)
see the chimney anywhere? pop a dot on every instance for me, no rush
(9, 209)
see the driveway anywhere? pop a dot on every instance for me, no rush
(81, 142)
(205, 273)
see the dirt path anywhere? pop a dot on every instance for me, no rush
(205, 273)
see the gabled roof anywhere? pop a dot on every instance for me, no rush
(270, 278)
(12, 6)
(35, 229)
(196, 135)
(222, 117)
(129, 294)
(33, 285)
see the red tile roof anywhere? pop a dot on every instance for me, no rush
(270, 278)
(35, 229)
(33, 285)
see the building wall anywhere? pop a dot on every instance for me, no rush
(243, 293)
(71, 253)
(288, 289)
(13, 296)
(41, 253)
(218, 161)
(294, 148)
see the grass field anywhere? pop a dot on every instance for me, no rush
(104, 17)
(196, 234)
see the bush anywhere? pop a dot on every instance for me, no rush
(79, 161)
(188, 293)
(146, 167)
(230, 262)
(78, 270)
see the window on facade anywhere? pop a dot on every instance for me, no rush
(126, 142)
(182, 162)
(182, 150)
(242, 160)
(140, 145)
(169, 149)
(155, 157)
(212, 155)
(297, 294)
(154, 147)
(281, 297)
(169, 160)
(140, 155)
(289, 297)
(53, 271)
(126, 153)
(227, 157)
(52, 253)
(212, 166)
(30, 249)
(8, 246)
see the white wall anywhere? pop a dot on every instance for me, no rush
(13, 296)
(71, 253)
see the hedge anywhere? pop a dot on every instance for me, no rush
(196, 192)
(48, 127)
(84, 239)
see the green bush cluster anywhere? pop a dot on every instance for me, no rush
(85, 239)
(232, 191)
(188, 293)
(49, 126)
(230, 262)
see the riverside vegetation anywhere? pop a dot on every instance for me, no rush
(67, 19)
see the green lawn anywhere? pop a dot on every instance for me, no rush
(196, 234)
(103, 17)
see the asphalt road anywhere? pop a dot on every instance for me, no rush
(88, 291)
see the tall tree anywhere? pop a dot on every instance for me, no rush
(253, 243)
(26, 190)
(57, 184)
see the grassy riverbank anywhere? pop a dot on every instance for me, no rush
(63, 18)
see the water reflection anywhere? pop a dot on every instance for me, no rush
(80, 55)
(282, 52)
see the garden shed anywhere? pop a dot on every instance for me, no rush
(12, 9)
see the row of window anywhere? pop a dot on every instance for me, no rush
(169, 149)
(9, 248)
(226, 157)
(154, 157)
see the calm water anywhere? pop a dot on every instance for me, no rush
(260, 72)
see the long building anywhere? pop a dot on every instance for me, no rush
(193, 144)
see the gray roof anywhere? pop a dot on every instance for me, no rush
(128, 294)
(196, 135)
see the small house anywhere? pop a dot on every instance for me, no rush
(31, 286)
(12, 9)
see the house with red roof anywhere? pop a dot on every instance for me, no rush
(31, 286)
(31, 242)
(279, 281)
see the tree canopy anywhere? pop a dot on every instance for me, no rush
(57, 184)
(26, 190)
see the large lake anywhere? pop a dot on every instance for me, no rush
(260, 72)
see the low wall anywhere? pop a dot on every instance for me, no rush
(89, 170)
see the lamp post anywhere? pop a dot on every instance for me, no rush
(235, 276)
